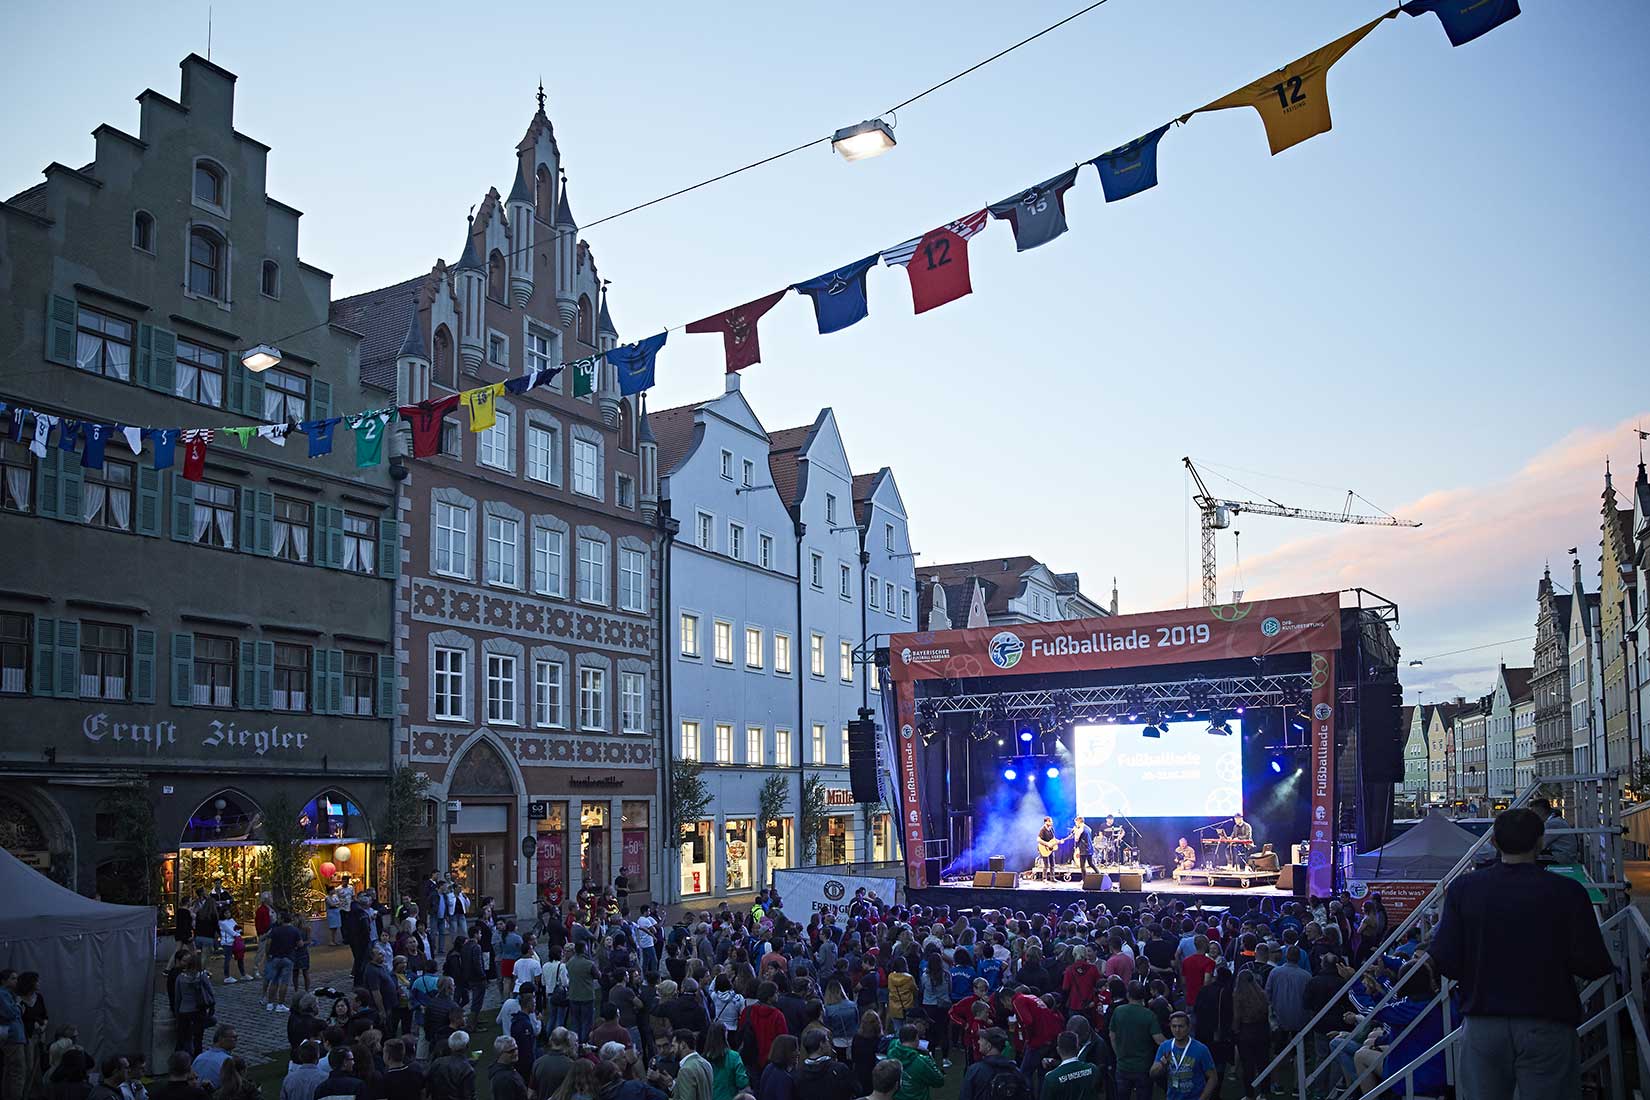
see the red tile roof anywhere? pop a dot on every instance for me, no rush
(1000, 576)
(784, 450)
(673, 429)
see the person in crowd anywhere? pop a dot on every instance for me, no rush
(920, 1074)
(822, 1076)
(1251, 1021)
(1072, 1078)
(583, 990)
(550, 1068)
(1185, 1066)
(195, 1002)
(1212, 1022)
(71, 1078)
(438, 1016)
(1559, 848)
(401, 1079)
(729, 1077)
(14, 1046)
(234, 1083)
(502, 1077)
(865, 1049)
(610, 1030)
(180, 1083)
(695, 1077)
(886, 1080)
(277, 943)
(993, 1063)
(451, 1076)
(303, 1074)
(111, 1075)
(208, 1065)
(1136, 1036)
(778, 1080)
(343, 1083)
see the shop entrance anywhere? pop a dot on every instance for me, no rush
(479, 863)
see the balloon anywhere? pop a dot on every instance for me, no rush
(328, 870)
(341, 854)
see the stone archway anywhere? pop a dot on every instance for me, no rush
(34, 828)
(480, 846)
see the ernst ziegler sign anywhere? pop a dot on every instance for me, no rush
(159, 737)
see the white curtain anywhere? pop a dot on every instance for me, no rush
(91, 502)
(184, 382)
(300, 542)
(18, 483)
(86, 350)
(226, 528)
(273, 405)
(351, 556)
(120, 507)
(119, 360)
(280, 538)
(211, 388)
(202, 522)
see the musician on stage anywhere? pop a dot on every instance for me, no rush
(1243, 839)
(1185, 856)
(1083, 837)
(1047, 842)
(1111, 840)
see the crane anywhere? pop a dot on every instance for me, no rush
(1216, 515)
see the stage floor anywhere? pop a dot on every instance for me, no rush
(963, 894)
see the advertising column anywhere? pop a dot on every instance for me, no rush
(1320, 860)
(910, 802)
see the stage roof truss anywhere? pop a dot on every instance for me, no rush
(1223, 693)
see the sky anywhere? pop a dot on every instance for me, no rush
(1435, 304)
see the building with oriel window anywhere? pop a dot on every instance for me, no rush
(528, 607)
(192, 640)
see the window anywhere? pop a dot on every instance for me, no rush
(736, 541)
(286, 395)
(104, 660)
(753, 745)
(872, 675)
(360, 544)
(547, 693)
(706, 531)
(592, 571)
(214, 674)
(493, 445)
(871, 589)
(269, 282)
(818, 745)
(690, 635)
(501, 688)
(830, 508)
(452, 539)
(782, 748)
(206, 263)
(143, 231)
(592, 699)
(103, 344)
(816, 654)
(292, 676)
(536, 347)
(208, 183)
(16, 476)
(106, 496)
(15, 642)
(199, 376)
(747, 473)
(632, 703)
(544, 453)
(764, 551)
(626, 491)
(502, 536)
(905, 603)
(291, 530)
(844, 744)
(727, 465)
(888, 596)
(498, 350)
(586, 321)
(360, 683)
(845, 582)
(690, 741)
(846, 655)
(214, 515)
(586, 481)
(724, 643)
(547, 562)
(495, 276)
(816, 570)
(753, 647)
(724, 743)
(782, 654)
(632, 580)
(888, 537)
(449, 683)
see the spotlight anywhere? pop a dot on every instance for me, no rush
(1025, 735)
(1001, 742)
(1151, 730)
(1010, 773)
(1218, 725)
(1277, 767)
(1053, 773)
(1031, 777)
(1238, 711)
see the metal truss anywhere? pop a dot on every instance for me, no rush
(1221, 693)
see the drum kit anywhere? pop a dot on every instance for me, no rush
(1111, 849)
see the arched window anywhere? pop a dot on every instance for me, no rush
(627, 427)
(587, 324)
(495, 276)
(209, 183)
(441, 359)
(225, 816)
(270, 283)
(331, 815)
(542, 194)
(143, 231)
(207, 253)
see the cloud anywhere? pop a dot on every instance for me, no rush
(1468, 576)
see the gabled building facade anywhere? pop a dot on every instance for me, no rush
(1416, 791)
(1586, 677)
(1550, 681)
(1512, 685)
(1015, 590)
(1471, 722)
(1616, 616)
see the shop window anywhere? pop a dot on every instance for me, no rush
(551, 859)
(332, 816)
(634, 852)
(593, 843)
(780, 845)
(221, 819)
(696, 859)
(739, 836)
(836, 844)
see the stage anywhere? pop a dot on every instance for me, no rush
(1035, 895)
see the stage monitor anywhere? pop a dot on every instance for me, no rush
(1187, 772)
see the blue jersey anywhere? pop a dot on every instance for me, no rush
(1465, 20)
(1187, 1069)
(635, 363)
(1130, 169)
(839, 296)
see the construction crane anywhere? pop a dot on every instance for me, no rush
(1216, 514)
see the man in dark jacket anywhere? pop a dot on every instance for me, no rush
(976, 1083)
(473, 968)
(451, 1076)
(506, 1083)
(341, 1083)
(823, 1076)
(793, 1004)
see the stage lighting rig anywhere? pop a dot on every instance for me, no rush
(1010, 773)
(1156, 724)
(1218, 724)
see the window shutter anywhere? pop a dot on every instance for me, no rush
(335, 681)
(143, 666)
(254, 396)
(389, 546)
(265, 699)
(48, 475)
(386, 685)
(183, 668)
(148, 499)
(70, 485)
(266, 522)
(183, 508)
(143, 372)
(163, 359)
(318, 681)
(234, 398)
(60, 325)
(247, 505)
(45, 656)
(335, 537)
(320, 399)
(246, 679)
(68, 659)
(320, 547)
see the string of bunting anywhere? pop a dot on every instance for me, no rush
(1293, 105)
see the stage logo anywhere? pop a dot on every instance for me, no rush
(1006, 649)
(1322, 712)
(834, 890)
(1270, 627)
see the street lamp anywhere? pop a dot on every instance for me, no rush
(260, 358)
(870, 138)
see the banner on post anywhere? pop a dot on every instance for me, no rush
(910, 798)
(808, 891)
(1320, 858)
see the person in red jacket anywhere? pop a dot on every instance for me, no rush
(1039, 1026)
(961, 1014)
(762, 1023)
(1081, 979)
(1196, 968)
(263, 920)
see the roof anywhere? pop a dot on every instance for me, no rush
(382, 317)
(673, 429)
(470, 259)
(864, 486)
(1001, 577)
(564, 212)
(1518, 683)
(521, 190)
(604, 321)
(784, 452)
(32, 200)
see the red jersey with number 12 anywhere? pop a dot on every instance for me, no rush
(937, 262)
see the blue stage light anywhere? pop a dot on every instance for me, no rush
(1054, 773)
(1010, 773)
(1025, 735)
(1277, 767)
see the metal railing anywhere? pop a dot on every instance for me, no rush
(1596, 803)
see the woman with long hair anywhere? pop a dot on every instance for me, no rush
(865, 1048)
(936, 1004)
(1251, 1024)
(233, 1082)
(580, 1082)
(729, 1076)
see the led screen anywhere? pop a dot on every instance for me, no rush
(1187, 772)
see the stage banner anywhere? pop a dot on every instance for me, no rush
(1400, 896)
(1320, 858)
(910, 798)
(1297, 624)
(805, 892)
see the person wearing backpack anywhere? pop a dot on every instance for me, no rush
(995, 1076)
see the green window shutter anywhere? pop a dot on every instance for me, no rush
(246, 678)
(143, 666)
(234, 397)
(48, 476)
(318, 693)
(45, 656)
(265, 699)
(183, 508)
(60, 326)
(386, 685)
(320, 399)
(266, 522)
(318, 536)
(254, 406)
(68, 659)
(335, 533)
(143, 372)
(247, 505)
(148, 499)
(183, 669)
(70, 487)
(334, 679)
(389, 546)
(163, 359)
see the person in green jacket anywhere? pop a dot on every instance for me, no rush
(919, 1074)
(1073, 1078)
(729, 1076)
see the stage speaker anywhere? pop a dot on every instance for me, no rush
(1286, 877)
(997, 863)
(1380, 738)
(982, 880)
(1006, 880)
(1093, 881)
(1132, 881)
(862, 761)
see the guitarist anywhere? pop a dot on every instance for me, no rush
(1047, 842)
(1185, 856)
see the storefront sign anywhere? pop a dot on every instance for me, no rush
(838, 796)
(604, 782)
(633, 853)
(808, 891)
(160, 737)
(538, 809)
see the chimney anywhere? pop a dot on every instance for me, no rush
(730, 382)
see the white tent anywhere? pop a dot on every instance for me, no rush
(96, 961)
(1427, 851)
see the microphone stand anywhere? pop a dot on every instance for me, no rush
(1138, 836)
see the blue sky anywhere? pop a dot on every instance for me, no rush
(1437, 303)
